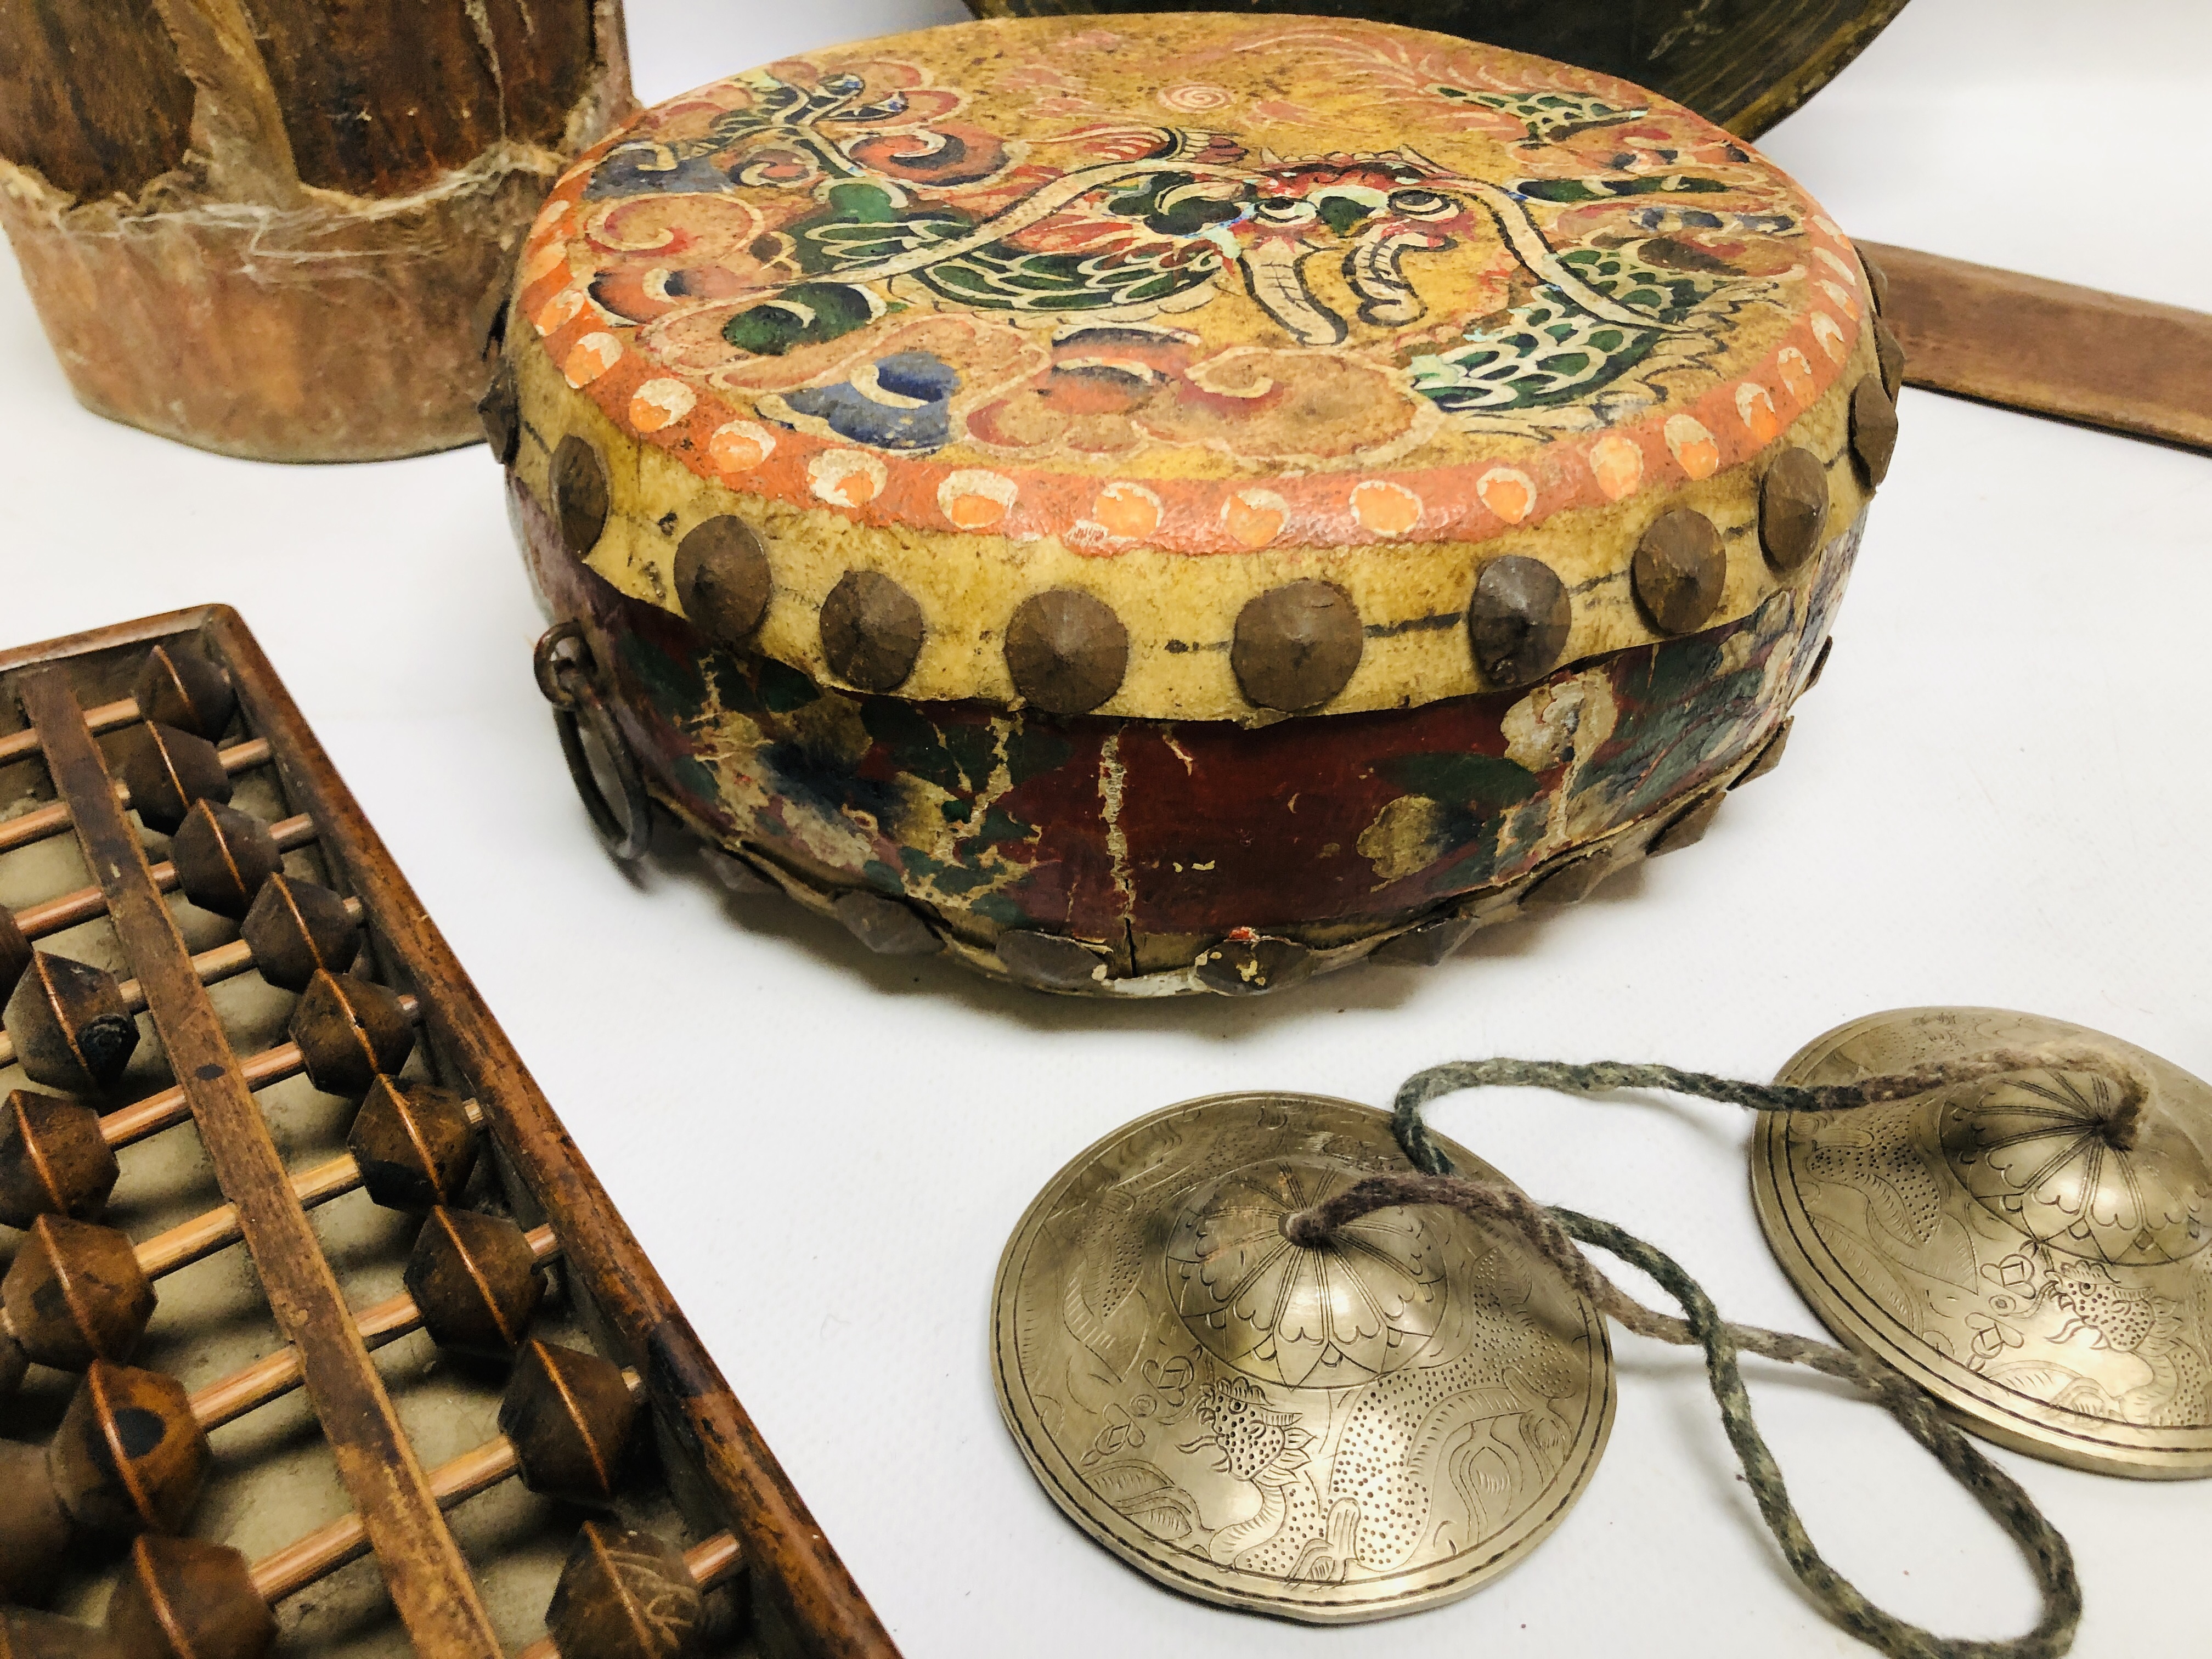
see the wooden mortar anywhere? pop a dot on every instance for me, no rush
(285, 237)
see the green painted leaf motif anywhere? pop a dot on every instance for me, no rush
(1548, 116)
(1548, 350)
(806, 314)
(674, 686)
(1488, 781)
(1605, 190)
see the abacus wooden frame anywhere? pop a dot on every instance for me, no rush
(802, 1591)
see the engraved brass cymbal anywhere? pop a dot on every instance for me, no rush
(1326, 1435)
(1993, 1242)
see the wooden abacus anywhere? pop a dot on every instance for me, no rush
(294, 1005)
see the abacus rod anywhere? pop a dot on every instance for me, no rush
(101, 717)
(323, 1551)
(149, 1116)
(231, 1397)
(36, 921)
(52, 820)
(220, 964)
(204, 1235)
(708, 1564)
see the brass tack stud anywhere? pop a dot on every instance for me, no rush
(580, 495)
(1873, 428)
(1877, 281)
(1568, 883)
(501, 411)
(722, 578)
(885, 924)
(1688, 828)
(872, 630)
(1793, 508)
(1296, 648)
(1820, 663)
(1246, 966)
(1066, 651)
(1769, 757)
(1518, 620)
(1423, 946)
(1052, 963)
(1680, 570)
(1890, 354)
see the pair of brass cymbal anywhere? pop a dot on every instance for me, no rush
(1383, 1423)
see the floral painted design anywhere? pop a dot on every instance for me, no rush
(1414, 257)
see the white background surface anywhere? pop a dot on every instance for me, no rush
(1996, 795)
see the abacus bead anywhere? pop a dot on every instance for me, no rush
(27, 1635)
(474, 1282)
(71, 1030)
(34, 1530)
(569, 1416)
(1296, 647)
(297, 929)
(223, 856)
(76, 1293)
(414, 1143)
(53, 1159)
(13, 1362)
(183, 1598)
(129, 1457)
(177, 689)
(167, 770)
(349, 1030)
(623, 1596)
(15, 951)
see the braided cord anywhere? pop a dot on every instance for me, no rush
(1599, 1077)
(1553, 1232)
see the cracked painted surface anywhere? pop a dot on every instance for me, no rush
(1153, 839)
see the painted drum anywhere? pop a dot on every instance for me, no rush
(1144, 535)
